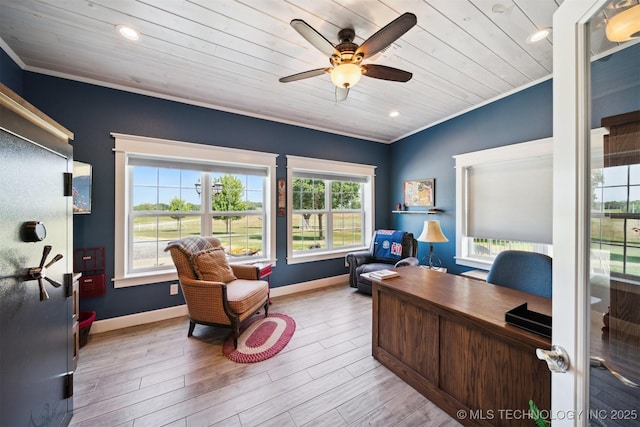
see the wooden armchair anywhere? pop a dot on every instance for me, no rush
(216, 293)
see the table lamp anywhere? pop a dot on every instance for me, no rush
(432, 233)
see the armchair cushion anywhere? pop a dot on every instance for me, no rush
(245, 294)
(212, 265)
(183, 249)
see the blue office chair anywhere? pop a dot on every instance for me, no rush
(526, 271)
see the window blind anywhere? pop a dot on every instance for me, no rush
(329, 176)
(201, 166)
(511, 200)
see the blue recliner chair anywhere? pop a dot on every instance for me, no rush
(526, 271)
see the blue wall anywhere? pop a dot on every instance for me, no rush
(523, 116)
(93, 112)
(10, 73)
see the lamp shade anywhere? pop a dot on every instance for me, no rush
(431, 232)
(625, 25)
(346, 75)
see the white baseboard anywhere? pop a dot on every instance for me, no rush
(181, 310)
(138, 319)
(310, 285)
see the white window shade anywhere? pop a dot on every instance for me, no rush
(511, 200)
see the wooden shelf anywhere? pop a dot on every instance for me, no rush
(419, 212)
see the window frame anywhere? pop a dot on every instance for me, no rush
(184, 152)
(326, 168)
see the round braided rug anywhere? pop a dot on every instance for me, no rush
(260, 338)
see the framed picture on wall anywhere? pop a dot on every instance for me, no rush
(420, 193)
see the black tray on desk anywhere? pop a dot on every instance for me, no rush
(530, 320)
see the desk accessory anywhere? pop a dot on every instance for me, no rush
(532, 321)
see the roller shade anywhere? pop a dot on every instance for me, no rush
(192, 165)
(511, 200)
(329, 176)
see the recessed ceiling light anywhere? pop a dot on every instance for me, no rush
(539, 35)
(498, 8)
(394, 114)
(128, 32)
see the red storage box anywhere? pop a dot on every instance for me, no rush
(88, 259)
(86, 319)
(92, 286)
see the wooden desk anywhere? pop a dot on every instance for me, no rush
(445, 335)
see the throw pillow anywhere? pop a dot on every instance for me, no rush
(212, 265)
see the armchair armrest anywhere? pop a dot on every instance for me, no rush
(243, 271)
(354, 259)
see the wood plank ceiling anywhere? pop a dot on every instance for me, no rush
(228, 55)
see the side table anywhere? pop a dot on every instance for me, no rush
(264, 272)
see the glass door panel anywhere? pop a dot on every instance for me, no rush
(614, 270)
(596, 269)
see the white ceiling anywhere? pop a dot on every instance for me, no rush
(229, 54)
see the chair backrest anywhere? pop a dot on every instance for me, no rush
(409, 246)
(526, 271)
(183, 249)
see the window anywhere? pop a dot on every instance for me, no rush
(330, 206)
(167, 190)
(615, 221)
(504, 199)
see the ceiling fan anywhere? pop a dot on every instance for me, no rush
(346, 57)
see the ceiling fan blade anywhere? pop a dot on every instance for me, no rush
(315, 38)
(341, 93)
(387, 34)
(385, 73)
(304, 75)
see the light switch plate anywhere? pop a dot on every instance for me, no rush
(173, 289)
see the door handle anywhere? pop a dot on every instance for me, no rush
(599, 362)
(40, 272)
(557, 358)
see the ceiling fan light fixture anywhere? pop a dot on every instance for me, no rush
(624, 26)
(346, 75)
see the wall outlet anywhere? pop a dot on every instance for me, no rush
(173, 289)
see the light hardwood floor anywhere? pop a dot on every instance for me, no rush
(153, 375)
